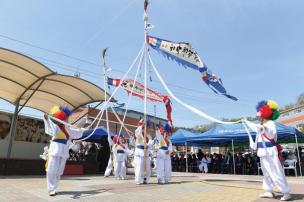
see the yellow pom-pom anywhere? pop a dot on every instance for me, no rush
(273, 104)
(54, 110)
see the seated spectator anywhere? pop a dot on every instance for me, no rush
(203, 167)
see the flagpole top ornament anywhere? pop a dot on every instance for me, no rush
(146, 3)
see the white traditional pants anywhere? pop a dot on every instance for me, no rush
(120, 166)
(141, 169)
(273, 174)
(55, 168)
(163, 169)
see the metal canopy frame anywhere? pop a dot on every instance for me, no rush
(14, 60)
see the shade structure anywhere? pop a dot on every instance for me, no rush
(27, 82)
(32, 84)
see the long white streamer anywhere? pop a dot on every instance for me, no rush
(130, 94)
(249, 134)
(117, 117)
(107, 101)
(194, 110)
(114, 92)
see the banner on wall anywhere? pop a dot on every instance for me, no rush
(28, 129)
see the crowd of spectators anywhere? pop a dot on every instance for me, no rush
(96, 153)
(84, 151)
(245, 163)
(217, 163)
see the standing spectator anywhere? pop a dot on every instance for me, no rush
(220, 163)
(256, 160)
(195, 165)
(239, 163)
(215, 163)
(209, 159)
(190, 162)
(182, 163)
(200, 155)
(228, 163)
(249, 165)
(175, 162)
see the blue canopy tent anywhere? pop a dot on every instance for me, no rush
(181, 136)
(227, 134)
(223, 134)
(238, 133)
(99, 133)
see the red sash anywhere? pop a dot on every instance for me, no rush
(279, 148)
(62, 128)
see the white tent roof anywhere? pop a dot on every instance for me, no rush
(22, 77)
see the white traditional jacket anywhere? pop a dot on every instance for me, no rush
(60, 144)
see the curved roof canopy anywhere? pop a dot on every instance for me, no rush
(34, 85)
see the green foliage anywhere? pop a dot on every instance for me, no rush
(288, 106)
(300, 99)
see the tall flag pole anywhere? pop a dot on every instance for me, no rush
(105, 83)
(146, 3)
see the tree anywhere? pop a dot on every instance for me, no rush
(300, 99)
(288, 106)
(301, 127)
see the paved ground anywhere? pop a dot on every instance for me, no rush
(185, 187)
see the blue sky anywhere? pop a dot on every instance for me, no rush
(256, 47)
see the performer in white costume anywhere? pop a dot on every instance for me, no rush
(120, 150)
(142, 155)
(163, 158)
(266, 146)
(58, 151)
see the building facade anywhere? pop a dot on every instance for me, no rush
(115, 126)
(293, 117)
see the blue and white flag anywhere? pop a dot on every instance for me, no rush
(185, 55)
